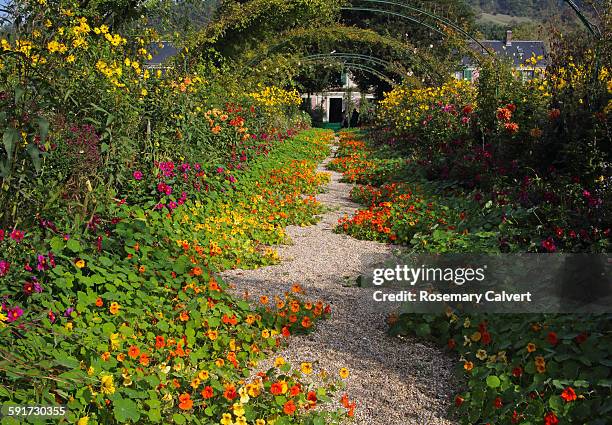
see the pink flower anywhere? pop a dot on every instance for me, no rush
(14, 314)
(4, 267)
(137, 175)
(17, 235)
(1, 235)
(220, 170)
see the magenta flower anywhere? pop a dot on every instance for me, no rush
(549, 244)
(51, 259)
(42, 263)
(68, 312)
(14, 314)
(220, 170)
(4, 267)
(1, 235)
(17, 235)
(137, 175)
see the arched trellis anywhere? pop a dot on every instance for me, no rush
(359, 57)
(362, 67)
(419, 12)
(403, 51)
(347, 60)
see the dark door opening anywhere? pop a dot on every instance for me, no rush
(335, 109)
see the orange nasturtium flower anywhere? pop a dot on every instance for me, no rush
(184, 316)
(468, 366)
(134, 351)
(160, 342)
(99, 302)
(306, 322)
(79, 263)
(186, 402)
(114, 307)
(531, 347)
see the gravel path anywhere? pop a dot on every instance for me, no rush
(393, 381)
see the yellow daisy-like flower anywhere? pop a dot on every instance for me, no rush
(79, 263)
(344, 373)
(279, 361)
(106, 385)
(238, 409)
(114, 341)
(227, 419)
(306, 368)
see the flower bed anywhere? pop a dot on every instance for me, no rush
(134, 326)
(518, 369)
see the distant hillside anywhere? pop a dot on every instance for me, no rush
(529, 19)
(538, 9)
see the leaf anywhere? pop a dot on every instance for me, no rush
(19, 92)
(73, 245)
(57, 244)
(43, 128)
(10, 139)
(493, 381)
(125, 409)
(35, 155)
(178, 418)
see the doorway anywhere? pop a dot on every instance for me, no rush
(335, 109)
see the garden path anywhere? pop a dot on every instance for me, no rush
(393, 381)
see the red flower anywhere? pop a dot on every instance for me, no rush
(552, 338)
(295, 390)
(517, 372)
(312, 398)
(207, 392)
(468, 109)
(498, 403)
(550, 419)
(511, 107)
(554, 114)
(549, 244)
(568, 394)
(160, 342)
(289, 407)
(230, 392)
(276, 388)
(459, 400)
(451, 343)
(581, 338)
(504, 114)
(486, 338)
(511, 127)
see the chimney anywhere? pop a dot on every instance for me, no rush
(508, 38)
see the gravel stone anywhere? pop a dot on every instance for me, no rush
(394, 381)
